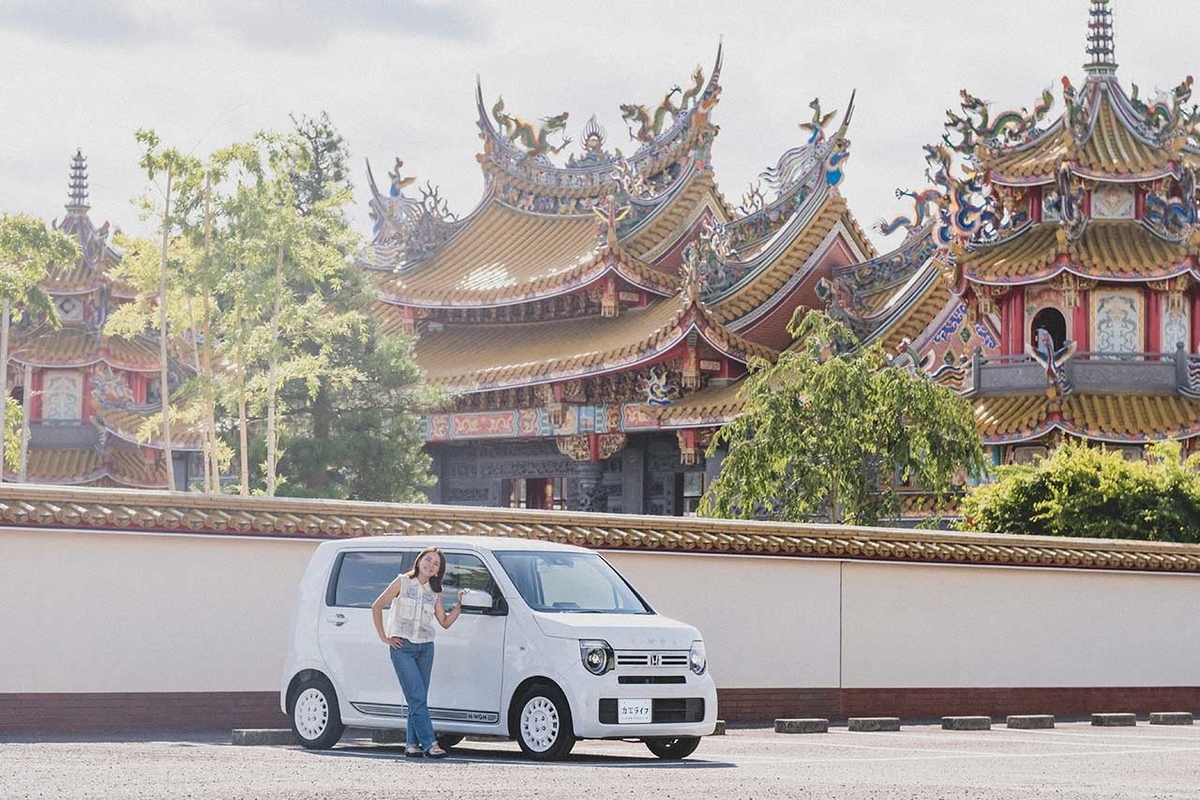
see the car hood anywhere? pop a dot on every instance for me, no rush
(621, 631)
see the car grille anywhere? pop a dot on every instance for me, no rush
(664, 659)
(662, 710)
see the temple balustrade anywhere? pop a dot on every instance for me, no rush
(1089, 372)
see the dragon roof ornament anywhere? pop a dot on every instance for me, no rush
(800, 175)
(530, 167)
(406, 230)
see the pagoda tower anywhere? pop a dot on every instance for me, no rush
(590, 321)
(86, 394)
(1053, 275)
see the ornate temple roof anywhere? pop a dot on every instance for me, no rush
(1109, 250)
(72, 347)
(1104, 133)
(713, 405)
(116, 466)
(769, 276)
(669, 166)
(124, 424)
(469, 358)
(1115, 418)
(504, 256)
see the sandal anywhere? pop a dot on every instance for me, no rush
(435, 752)
(414, 752)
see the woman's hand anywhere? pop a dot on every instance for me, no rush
(393, 641)
(461, 593)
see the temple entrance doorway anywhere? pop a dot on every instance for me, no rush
(544, 493)
(1055, 324)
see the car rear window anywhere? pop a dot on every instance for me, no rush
(359, 576)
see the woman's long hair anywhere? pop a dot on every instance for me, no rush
(435, 582)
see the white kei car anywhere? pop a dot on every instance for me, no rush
(553, 645)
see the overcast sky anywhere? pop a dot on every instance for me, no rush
(398, 78)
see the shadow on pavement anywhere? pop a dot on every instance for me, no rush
(471, 755)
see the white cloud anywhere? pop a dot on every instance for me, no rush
(398, 77)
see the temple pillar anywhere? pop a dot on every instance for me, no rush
(590, 495)
(1195, 320)
(633, 476)
(1082, 322)
(1154, 311)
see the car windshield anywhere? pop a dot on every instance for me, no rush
(578, 583)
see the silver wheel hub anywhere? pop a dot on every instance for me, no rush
(311, 713)
(539, 724)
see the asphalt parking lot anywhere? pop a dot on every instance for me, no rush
(1071, 761)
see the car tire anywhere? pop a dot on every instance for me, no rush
(448, 740)
(316, 721)
(543, 724)
(673, 748)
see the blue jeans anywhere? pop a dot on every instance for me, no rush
(414, 664)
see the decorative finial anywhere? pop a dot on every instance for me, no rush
(1100, 40)
(79, 185)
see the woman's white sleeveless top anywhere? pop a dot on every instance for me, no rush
(412, 616)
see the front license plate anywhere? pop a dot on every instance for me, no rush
(633, 712)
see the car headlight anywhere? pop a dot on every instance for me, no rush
(597, 656)
(697, 658)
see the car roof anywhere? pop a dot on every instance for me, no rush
(409, 541)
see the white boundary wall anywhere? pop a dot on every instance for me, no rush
(111, 612)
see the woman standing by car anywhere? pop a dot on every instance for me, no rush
(415, 598)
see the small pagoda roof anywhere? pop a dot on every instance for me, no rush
(75, 347)
(117, 466)
(712, 405)
(1113, 143)
(507, 256)
(471, 358)
(1107, 250)
(124, 424)
(1113, 418)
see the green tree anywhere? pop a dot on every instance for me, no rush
(356, 437)
(181, 175)
(829, 430)
(27, 250)
(1093, 492)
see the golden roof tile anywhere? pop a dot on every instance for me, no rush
(507, 256)
(914, 317)
(71, 346)
(669, 222)
(73, 508)
(117, 465)
(764, 286)
(1114, 148)
(62, 466)
(1107, 249)
(125, 424)
(465, 358)
(1106, 418)
(503, 256)
(713, 405)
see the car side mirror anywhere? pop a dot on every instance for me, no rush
(477, 599)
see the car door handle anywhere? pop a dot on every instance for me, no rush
(336, 619)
